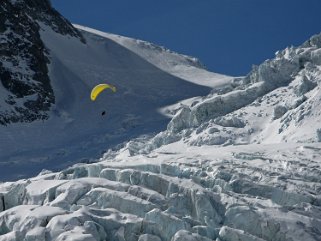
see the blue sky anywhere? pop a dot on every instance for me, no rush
(228, 36)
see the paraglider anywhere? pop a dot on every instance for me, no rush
(99, 88)
(95, 92)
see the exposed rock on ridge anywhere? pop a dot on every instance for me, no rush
(27, 92)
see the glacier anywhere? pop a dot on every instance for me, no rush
(185, 154)
(177, 192)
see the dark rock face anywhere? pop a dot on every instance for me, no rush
(24, 59)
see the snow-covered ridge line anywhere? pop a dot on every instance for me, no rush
(182, 66)
(129, 42)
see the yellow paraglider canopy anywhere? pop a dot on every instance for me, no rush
(99, 88)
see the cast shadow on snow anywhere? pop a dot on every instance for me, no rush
(142, 88)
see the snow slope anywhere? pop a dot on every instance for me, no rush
(76, 131)
(181, 66)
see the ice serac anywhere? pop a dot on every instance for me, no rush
(276, 102)
(230, 193)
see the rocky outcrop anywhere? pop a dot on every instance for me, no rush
(24, 78)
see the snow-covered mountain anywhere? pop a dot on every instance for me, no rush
(231, 159)
(48, 70)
